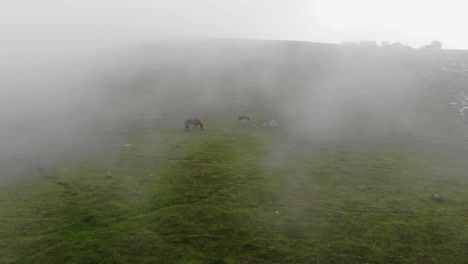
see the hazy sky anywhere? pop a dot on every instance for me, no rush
(30, 24)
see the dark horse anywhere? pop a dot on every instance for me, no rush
(194, 122)
(243, 119)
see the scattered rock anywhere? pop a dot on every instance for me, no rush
(437, 197)
(109, 174)
(128, 145)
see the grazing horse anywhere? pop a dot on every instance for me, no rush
(269, 123)
(194, 122)
(243, 119)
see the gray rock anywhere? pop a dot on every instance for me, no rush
(437, 197)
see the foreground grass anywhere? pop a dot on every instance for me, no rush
(240, 196)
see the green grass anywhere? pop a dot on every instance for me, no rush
(213, 197)
(346, 178)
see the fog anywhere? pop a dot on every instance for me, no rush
(76, 76)
(367, 159)
(89, 103)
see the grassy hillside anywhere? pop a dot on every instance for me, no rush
(346, 178)
(208, 197)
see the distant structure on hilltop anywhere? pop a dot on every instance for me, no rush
(398, 45)
(374, 44)
(435, 45)
(368, 43)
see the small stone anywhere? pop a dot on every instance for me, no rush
(437, 197)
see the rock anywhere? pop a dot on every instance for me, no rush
(437, 197)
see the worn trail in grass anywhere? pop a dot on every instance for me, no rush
(173, 198)
(241, 195)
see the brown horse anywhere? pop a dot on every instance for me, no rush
(194, 122)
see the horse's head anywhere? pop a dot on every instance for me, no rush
(243, 117)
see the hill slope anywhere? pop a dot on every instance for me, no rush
(365, 138)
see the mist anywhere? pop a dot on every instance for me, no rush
(76, 79)
(366, 163)
(70, 102)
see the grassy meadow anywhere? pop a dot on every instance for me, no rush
(355, 191)
(235, 196)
